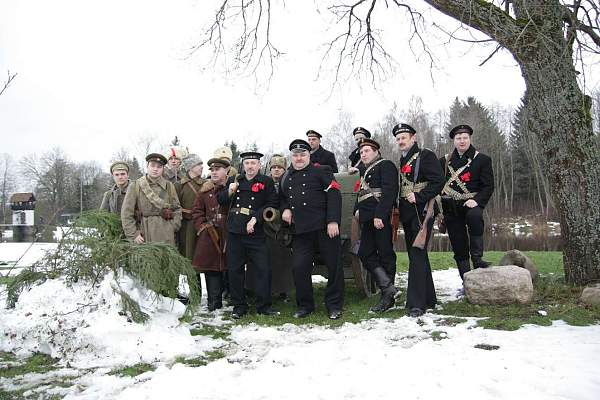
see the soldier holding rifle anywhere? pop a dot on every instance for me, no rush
(421, 180)
(377, 196)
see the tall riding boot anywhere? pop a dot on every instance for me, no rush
(464, 266)
(213, 287)
(476, 246)
(388, 291)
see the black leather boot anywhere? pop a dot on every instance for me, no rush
(388, 291)
(464, 266)
(213, 287)
(476, 246)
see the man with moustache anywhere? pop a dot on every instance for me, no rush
(112, 201)
(421, 180)
(469, 184)
(248, 195)
(312, 203)
(154, 200)
(377, 196)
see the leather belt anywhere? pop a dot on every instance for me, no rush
(242, 210)
(405, 190)
(369, 195)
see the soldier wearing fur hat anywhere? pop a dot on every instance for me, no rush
(173, 170)
(112, 200)
(312, 203)
(421, 180)
(225, 153)
(248, 194)
(359, 133)
(318, 155)
(151, 210)
(377, 196)
(209, 222)
(187, 190)
(469, 184)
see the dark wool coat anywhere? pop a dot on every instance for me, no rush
(207, 211)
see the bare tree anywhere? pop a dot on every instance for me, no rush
(339, 139)
(8, 81)
(547, 38)
(7, 184)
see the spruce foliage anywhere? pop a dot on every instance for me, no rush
(94, 246)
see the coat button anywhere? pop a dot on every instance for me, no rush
(291, 196)
(236, 213)
(304, 184)
(290, 188)
(250, 206)
(292, 207)
(304, 203)
(237, 205)
(238, 190)
(251, 198)
(303, 174)
(302, 192)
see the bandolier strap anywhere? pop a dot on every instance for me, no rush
(455, 178)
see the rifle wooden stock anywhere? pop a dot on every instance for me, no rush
(421, 238)
(395, 222)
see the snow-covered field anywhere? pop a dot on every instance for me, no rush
(381, 357)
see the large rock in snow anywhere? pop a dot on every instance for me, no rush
(591, 295)
(499, 285)
(516, 257)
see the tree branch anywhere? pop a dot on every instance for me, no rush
(8, 82)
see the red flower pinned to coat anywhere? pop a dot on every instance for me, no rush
(333, 185)
(316, 164)
(406, 169)
(466, 177)
(257, 186)
(357, 186)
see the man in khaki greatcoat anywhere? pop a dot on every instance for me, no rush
(187, 191)
(151, 210)
(113, 198)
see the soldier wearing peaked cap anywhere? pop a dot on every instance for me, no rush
(469, 184)
(247, 195)
(377, 196)
(208, 218)
(158, 214)
(359, 133)
(112, 200)
(318, 155)
(421, 180)
(311, 202)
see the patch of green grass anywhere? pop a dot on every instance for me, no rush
(133, 370)
(203, 360)
(216, 332)
(7, 357)
(450, 321)
(38, 363)
(546, 261)
(438, 335)
(558, 300)
(356, 309)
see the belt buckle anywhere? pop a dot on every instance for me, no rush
(245, 211)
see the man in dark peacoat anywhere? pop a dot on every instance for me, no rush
(320, 157)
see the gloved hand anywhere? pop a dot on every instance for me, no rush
(167, 214)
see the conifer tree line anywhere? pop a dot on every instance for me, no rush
(66, 187)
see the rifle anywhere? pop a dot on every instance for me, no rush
(421, 238)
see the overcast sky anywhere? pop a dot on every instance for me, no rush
(95, 75)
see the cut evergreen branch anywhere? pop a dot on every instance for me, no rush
(95, 246)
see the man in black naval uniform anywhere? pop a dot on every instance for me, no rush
(312, 203)
(247, 195)
(421, 179)
(356, 165)
(318, 155)
(468, 187)
(377, 196)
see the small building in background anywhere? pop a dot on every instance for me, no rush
(23, 209)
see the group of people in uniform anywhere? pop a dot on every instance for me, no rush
(218, 222)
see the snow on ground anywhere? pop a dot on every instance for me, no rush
(14, 256)
(86, 329)
(403, 357)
